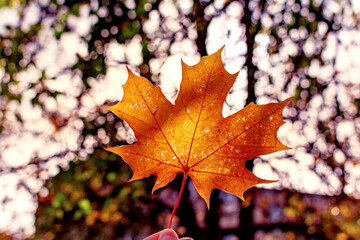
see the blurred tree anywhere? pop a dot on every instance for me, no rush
(62, 60)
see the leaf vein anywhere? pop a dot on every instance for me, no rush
(248, 129)
(160, 129)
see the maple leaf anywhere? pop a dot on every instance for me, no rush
(192, 136)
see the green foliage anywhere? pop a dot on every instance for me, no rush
(92, 191)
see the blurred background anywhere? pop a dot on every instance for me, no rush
(61, 61)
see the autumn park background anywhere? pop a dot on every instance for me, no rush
(62, 61)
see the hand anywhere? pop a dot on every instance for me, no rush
(167, 234)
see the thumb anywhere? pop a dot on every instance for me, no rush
(168, 234)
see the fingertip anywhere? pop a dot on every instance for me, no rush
(168, 234)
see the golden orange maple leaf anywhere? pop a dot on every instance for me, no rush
(192, 136)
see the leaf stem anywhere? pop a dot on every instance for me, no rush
(178, 199)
